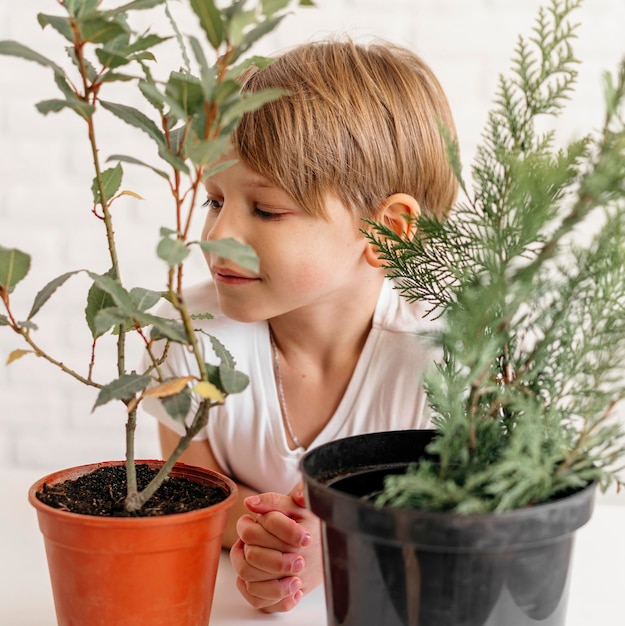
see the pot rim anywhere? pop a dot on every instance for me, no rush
(180, 469)
(518, 514)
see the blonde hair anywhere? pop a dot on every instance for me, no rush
(360, 122)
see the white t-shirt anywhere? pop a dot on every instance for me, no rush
(247, 434)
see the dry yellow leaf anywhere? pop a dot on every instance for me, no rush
(169, 388)
(17, 354)
(127, 192)
(208, 391)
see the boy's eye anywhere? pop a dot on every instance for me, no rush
(266, 215)
(213, 205)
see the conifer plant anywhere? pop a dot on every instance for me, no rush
(188, 117)
(527, 273)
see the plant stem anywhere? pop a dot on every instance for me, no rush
(134, 501)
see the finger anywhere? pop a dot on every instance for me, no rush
(285, 529)
(254, 564)
(254, 533)
(265, 502)
(279, 564)
(273, 596)
(297, 494)
(243, 569)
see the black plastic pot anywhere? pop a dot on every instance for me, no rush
(402, 567)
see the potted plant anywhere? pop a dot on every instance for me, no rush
(472, 523)
(147, 552)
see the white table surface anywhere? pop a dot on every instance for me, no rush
(597, 596)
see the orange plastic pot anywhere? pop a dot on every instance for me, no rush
(140, 571)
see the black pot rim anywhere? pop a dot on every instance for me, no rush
(530, 525)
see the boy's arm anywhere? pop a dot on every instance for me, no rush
(199, 453)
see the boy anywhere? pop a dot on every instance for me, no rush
(329, 345)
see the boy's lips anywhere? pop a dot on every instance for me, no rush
(231, 277)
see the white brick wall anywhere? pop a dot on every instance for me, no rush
(45, 418)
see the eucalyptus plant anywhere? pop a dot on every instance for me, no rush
(527, 274)
(189, 118)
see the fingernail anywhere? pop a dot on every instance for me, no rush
(297, 565)
(295, 586)
(305, 540)
(253, 500)
(298, 595)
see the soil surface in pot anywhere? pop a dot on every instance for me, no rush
(102, 493)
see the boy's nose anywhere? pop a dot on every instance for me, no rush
(223, 225)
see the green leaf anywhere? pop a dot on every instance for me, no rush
(97, 300)
(113, 77)
(64, 86)
(44, 295)
(136, 5)
(16, 49)
(14, 266)
(173, 330)
(144, 299)
(202, 316)
(250, 102)
(184, 93)
(129, 159)
(115, 289)
(207, 172)
(229, 248)
(172, 251)
(108, 318)
(224, 356)
(111, 59)
(204, 153)
(54, 106)
(99, 30)
(4, 320)
(111, 181)
(145, 43)
(135, 118)
(176, 162)
(152, 95)
(124, 388)
(60, 24)
(211, 21)
(208, 73)
(232, 380)
(273, 6)
(178, 406)
(226, 89)
(256, 33)
(239, 21)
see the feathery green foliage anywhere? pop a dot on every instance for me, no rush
(528, 276)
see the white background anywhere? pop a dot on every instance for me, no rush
(46, 418)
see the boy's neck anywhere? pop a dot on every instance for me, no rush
(328, 329)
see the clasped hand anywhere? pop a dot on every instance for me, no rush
(277, 557)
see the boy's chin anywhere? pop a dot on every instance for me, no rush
(237, 313)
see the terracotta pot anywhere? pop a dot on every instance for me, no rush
(140, 571)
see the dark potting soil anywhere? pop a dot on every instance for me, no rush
(102, 493)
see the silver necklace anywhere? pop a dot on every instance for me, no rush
(285, 413)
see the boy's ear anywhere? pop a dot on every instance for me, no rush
(397, 212)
